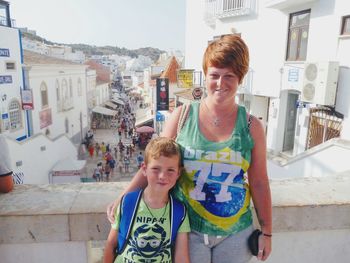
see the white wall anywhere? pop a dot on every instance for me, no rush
(37, 74)
(53, 252)
(317, 164)
(10, 40)
(37, 162)
(102, 93)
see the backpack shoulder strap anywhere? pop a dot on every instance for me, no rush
(177, 215)
(183, 117)
(128, 209)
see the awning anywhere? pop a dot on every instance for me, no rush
(111, 104)
(143, 116)
(104, 111)
(117, 96)
(118, 101)
(145, 129)
(129, 88)
(68, 166)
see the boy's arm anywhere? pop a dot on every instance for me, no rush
(181, 248)
(110, 247)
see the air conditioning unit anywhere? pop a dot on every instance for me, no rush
(320, 83)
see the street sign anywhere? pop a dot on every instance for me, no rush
(197, 93)
(185, 78)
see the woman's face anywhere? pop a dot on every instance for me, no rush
(221, 84)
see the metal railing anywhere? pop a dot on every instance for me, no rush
(226, 8)
(3, 22)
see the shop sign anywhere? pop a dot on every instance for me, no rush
(293, 75)
(185, 78)
(4, 52)
(27, 99)
(5, 79)
(197, 93)
(160, 117)
(162, 94)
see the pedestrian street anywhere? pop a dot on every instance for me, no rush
(110, 136)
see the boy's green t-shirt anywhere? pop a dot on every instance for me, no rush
(150, 235)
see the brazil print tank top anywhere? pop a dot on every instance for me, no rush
(213, 184)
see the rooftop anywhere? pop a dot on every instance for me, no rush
(33, 58)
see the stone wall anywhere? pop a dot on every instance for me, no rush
(63, 223)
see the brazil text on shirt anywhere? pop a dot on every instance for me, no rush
(225, 155)
(149, 220)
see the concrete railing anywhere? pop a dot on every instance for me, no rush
(326, 159)
(67, 222)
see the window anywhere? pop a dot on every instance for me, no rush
(10, 65)
(58, 96)
(15, 115)
(44, 95)
(80, 91)
(64, 90)
(345, 25)
(298, 35)
(58, 92)
(70, 88)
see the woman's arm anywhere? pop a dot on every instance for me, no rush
(259, 187)
(140, 181)
(181, 248)
(170, 128)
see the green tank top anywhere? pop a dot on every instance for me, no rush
(213, 184)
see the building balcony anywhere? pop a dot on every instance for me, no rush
(67, 222)
(284, 4)
(218, 9)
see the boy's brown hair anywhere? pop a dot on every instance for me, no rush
(162, 146)
(227, 51)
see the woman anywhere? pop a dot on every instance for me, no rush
(219, 147)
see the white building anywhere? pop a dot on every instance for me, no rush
(59, 92)
(13, 121)
(283, 37)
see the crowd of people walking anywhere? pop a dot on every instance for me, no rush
(113, 156)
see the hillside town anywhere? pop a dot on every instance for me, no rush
(70, 117)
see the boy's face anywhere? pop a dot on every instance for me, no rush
(162, 173)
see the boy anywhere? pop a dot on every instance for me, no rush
(159, 229)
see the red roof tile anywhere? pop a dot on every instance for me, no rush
(103, 74)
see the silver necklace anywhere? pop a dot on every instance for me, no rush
(216, 121)
(152, 213)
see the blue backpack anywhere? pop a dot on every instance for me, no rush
(128, 209)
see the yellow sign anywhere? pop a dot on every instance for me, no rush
(185, 78)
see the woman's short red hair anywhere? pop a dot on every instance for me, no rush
(228, 51)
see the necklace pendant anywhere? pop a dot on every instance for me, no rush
(216, 122)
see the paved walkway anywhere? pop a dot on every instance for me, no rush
(110, 136)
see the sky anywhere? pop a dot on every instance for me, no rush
(124, 23)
